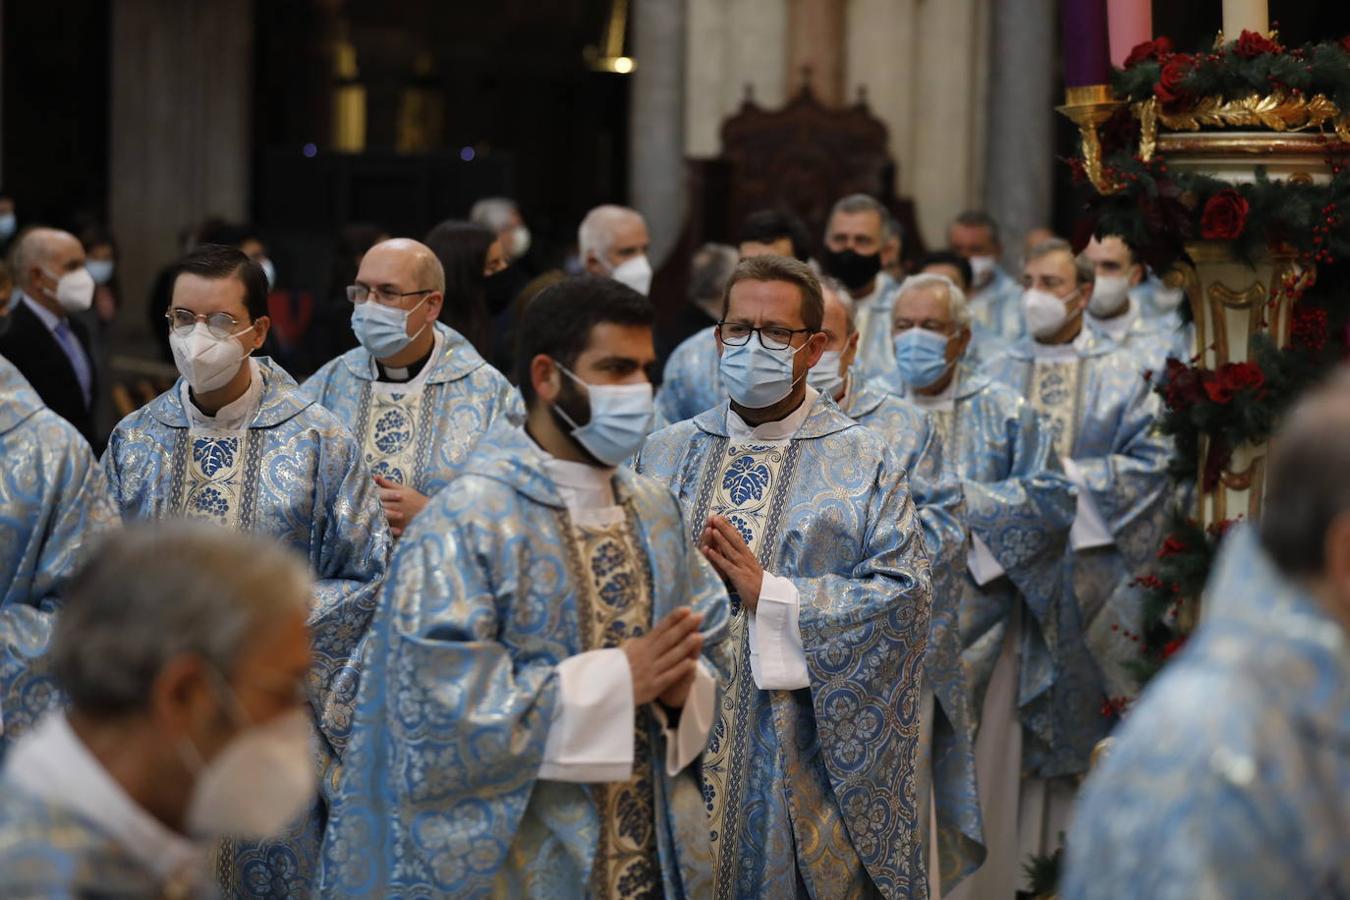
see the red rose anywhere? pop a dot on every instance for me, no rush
(1224, 216)
(1345, 43)
(1171, 647)
(1174, 72)
(1236, 377)
(1150, 50)
(1173, 546)
(1253, 44)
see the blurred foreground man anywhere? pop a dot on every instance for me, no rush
(541, 679)
(809, 780)
(416, 394)
(184, 653)
(53, 501)
(1231, 776)
(236, 443)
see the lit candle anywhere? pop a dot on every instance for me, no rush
(1130, 23)
(1087, 56)
(1245, 15)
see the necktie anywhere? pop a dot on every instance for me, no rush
(78, 361)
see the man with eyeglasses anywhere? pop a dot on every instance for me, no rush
(235, 442)
(416, 394)
(810, 776)
(1037, 693)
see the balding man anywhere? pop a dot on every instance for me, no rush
(415, 393)
(234, 441)
(613, 243)
(45, 341)
(1231, 777)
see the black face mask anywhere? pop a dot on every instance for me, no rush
(853, 269)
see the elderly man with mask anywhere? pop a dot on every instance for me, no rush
(858, 234)
(810, 778)
(235, 442)
(1037, 690)
(53, 501)
(1231, 776)
(415, 392)
(947, 755)
(45, 339)
(994, 293)
(184, 653)
(613, 243)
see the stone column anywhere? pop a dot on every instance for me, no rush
(1020, 150)
(180, 121)
(731, 44)
(816, 44)
(656, 184)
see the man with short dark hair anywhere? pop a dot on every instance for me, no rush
(235, 442)
(808, 517)
(858, 237)
(994, 294)
(184, 653)
(415, 393)
(774, 232)
(1231, 776)
(45, 340)
(541, 672)
(1116, 307)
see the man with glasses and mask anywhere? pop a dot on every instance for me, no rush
(947, 754)
(415, 393)
(184, 654)
(540, 677)
(810, 781)
(235, 442)
(1037, 694)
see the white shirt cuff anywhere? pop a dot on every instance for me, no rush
(591, 738)
(688, 740)
(777, 659)
(1089, 528)
(984, 568)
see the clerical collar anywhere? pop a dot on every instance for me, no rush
(581, 486)
(233, 415)
(1062, 352)
(940, 402)
(401, 376)
(1117, 327)
(783, 430)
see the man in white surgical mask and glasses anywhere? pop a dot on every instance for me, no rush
(613, 243)
(184, 653)
(235, 442)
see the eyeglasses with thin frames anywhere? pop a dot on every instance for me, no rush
(771, 337)
(221, 325)
(359, 293)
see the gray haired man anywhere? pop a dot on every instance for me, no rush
(613, 242)
(183, 650)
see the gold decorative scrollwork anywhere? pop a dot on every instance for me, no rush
(1271, 112)
(1252, 299)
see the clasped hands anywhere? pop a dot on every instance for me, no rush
(401, 503)
(724, 547)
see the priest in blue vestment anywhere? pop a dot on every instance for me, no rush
(947, 752)
(54, 504)
(810, 776)
(236, 443)
(415, 393)
(1037, 690)
(542, 678)
(1231, 776)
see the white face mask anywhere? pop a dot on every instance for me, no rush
(1167, 299)
(1044, 312)
(636, 273)
(982, 268)
(205, 361)
(270, 270)
(1110, 294)
(520, 241)
(101, 270)
(74, 290)
(258, 784)
(825, 375)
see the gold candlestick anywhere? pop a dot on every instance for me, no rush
(1089, 107)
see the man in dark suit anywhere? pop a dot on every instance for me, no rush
(44, 341)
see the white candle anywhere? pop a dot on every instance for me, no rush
(1244, 15)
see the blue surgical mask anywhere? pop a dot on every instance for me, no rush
(755, 376)
(825, 375)
(621, 418)
(921, 356)
(383, 330)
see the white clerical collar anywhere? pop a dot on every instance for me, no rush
(944, 401)
(582, 486)
(1117, 327)
(52, 764)
(1062, 352)
(417, 381)
(233, 416)
(782, 430)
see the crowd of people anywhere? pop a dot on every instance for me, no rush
(818, 592)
